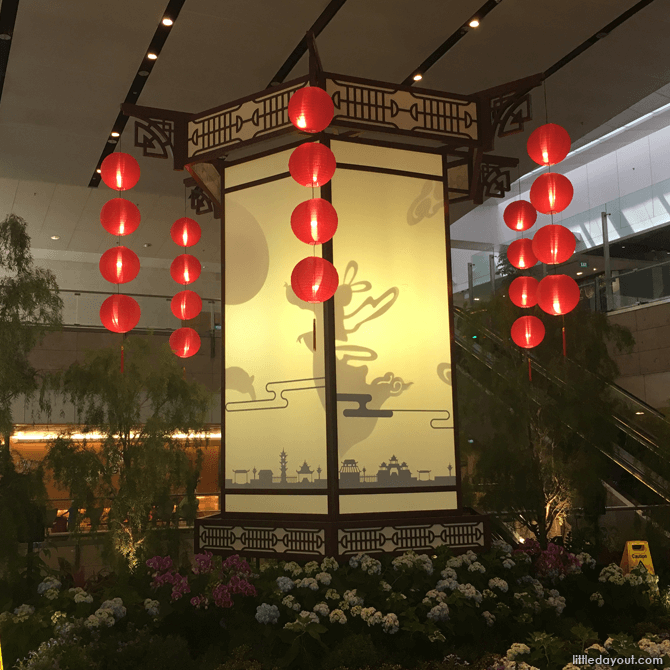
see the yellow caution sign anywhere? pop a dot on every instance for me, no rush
(635, 554)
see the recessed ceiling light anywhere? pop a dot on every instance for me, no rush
(167, 22)
(5, 36)
(595, 269)
(579, 273)
(98, 170)
(474, 23)
(146, 245)
(418, 76)
(152, 56)
(638, 413)
(55, 237)
(476, 298)
(115, 134)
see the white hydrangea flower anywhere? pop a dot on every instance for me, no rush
(470, 592)
(455, 562)
(597, 598)
(436, 637)
(469, 556)
(291, 603)
(434, 594)
(324, 578)
(311, 567)
(267, 614)
(332, 594)
(83, 597)
(293, 568)
(557, 601)
(489, 618)
(92, 622)
(152, 607)
(371, 565)
(508, 563)
(500, 584)
(329, 564)
(321, 609)
(385, 586)
(502, 546)
(295, 626)
(22, 612)
(57, 616)
(105, 617)
(449, 573)
(586, 559)
(651, 648)
(598, 648)
(571, 666)
(612, 573)
(313, 617)
(390, 624)
(439, 613)
(476, 567)
(517, 650)
(352, 598)
(308, 583)
(608, 643)
(48, 584)
(285, 584)
(51, 594)
(371, 616)
(338, 616)
(445, 584)
(487, 593)
(356, 610)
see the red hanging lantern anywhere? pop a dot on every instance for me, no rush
(312, 164)
(527, 332)
(185, 342)
(186, 305)
(549, 144)
(311, 109)
(119, 265)
(185, 269)
(119, 216)
(553, 244)
(120, 171)
(520, 254)
(185, 232)
(314, 279)
(120, 313)
(551, 193)
(523, 291)
(520, 215)
(557, 294)
(314, 221)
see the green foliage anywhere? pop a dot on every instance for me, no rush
(29, 308)
(539, 445)
(140, 464)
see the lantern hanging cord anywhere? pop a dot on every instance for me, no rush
(546, 108)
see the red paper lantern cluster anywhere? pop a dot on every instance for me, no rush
(554, 244)
(520, 215)
(549, 144)
(119, 265)
(551, 193)
(314, 279)
(520, 254)
(523, 291)
(527, 332)
(311, 109)
(185, 305)
(557, 294)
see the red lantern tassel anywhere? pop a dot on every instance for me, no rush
(564, 347)
(530, 374)
(121, 359)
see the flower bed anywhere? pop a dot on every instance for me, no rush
(503, 609)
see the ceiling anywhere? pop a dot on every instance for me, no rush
(71, 65)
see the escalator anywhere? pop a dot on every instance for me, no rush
(642, 447)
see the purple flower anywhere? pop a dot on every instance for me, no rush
(160, 563)
(203, 563)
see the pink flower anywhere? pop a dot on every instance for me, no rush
(203, 563)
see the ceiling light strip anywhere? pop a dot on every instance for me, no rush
(324, 19)
(419, 72)
(146, 66)
(8, 11)
(603, 32)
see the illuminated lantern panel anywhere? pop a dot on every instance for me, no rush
(185, 269)
(551, 193)
(527, 332)
(119, 265)
(119, 216)
(186, 305)
(120, 171)
(548, 144)
(523, 291)
(520, 215)
(312, 164)
(185, 232)
(120, 313)
(314, 279)
(520, 254)
(557, 294)
(185, 342)
(311, 109)
(554, 244)
(314, 221)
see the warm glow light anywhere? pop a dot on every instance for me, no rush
(579, 274)
(639, 413)
(301, 122)
(115, 134)
(474, 23)
(418, 77)
(167, 22)
(152, 56)
(315, 229)
(39, 436)
(55, 237)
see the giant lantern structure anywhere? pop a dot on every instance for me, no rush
(365, 399)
